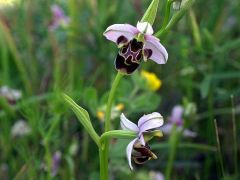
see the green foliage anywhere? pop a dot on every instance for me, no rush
(203, 69)
(83, 117)
(150, 14)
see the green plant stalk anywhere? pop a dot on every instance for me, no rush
(18, 61)
(175, 18)
(219, 148)
(195, 29)
(103, 168)
(73, 7)
(173, 144)
(48, 158)
(167, 15)
(104, 145)
(111, 99)
(4, 59)
(234, 137)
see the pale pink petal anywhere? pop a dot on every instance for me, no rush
(150, 121)
(113, 32)
(189, 133)
(167, 128)
(127, 125)
(176, 115)
(129, 152)
(159, 53)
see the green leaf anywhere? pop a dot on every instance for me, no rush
(205, 86)
(83, 117)
(176, 17)
(118, 134)
(150, 15)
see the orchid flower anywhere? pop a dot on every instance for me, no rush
(135, 43)
(59, 18)
(56, 160)
(20, 128)
(12, 95)
(176, 118)
(137, 148)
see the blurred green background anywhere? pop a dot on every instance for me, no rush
(40, 61)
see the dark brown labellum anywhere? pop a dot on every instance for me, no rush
(129, 56)
(142, 154)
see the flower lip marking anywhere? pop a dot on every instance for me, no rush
(138, 41)
(142, 154)
(129, 56)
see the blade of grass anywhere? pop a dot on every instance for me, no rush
(219, 154)
(234, 137)
(18, 61)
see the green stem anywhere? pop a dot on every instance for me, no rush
(219, 153)
(103, 168)
(110, 100)
(103, 152)
(234, 137)
(167, 14)
(173, 145)
(175, 18)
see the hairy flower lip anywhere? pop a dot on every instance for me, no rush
(146, 124)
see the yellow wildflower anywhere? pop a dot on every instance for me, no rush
(119, 107)
(100, 115)
(116, 110)
(153, 81)
(4, 3)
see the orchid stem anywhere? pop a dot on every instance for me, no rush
(103, 151)
(110, 100)
(103, 168)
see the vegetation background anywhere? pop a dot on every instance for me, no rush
(202, 75)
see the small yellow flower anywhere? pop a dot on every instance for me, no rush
(116, 110)
(100, 115)
(4, 3)
(153, 81)
(119, 107)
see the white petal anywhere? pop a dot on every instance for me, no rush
(114, 31)
(150, 121)
(127, 124)
(129, 152)
(159, 53)
(145, 28)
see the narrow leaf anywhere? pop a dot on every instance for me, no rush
(150, 15)
(83, 117)
(118, 134)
